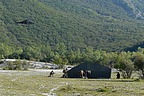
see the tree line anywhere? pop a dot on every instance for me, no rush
(126, 62)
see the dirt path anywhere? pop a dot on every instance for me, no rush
(51, 92)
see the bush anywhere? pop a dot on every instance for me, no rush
(105, 89)
(25, 65)
(16, 65)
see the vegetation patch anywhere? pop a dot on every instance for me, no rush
(105, 89)
(26, 83)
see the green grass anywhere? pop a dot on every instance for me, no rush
(34, 83)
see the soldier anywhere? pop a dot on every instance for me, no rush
(51, 73)
(65, 75)
(82, 73)
(118, 75)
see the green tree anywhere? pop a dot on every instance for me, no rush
(71, 57)
(5, 50)
(127, 68)
(61, 49)
(18, 64)
(88, 55)
(125, 64)
(60, 60)
(139, 63)
(25, 65)
(106, 59)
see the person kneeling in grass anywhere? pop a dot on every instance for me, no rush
(51, 74)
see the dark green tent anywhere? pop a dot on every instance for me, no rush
(93, 71)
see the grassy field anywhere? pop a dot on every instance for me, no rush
(37, 83)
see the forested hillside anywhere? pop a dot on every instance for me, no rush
(64, 25)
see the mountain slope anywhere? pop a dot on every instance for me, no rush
(110, 25)
(133, 7)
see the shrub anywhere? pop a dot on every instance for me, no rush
(16, 65)
(105, 89)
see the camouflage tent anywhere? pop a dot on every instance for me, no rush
(90, 70)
